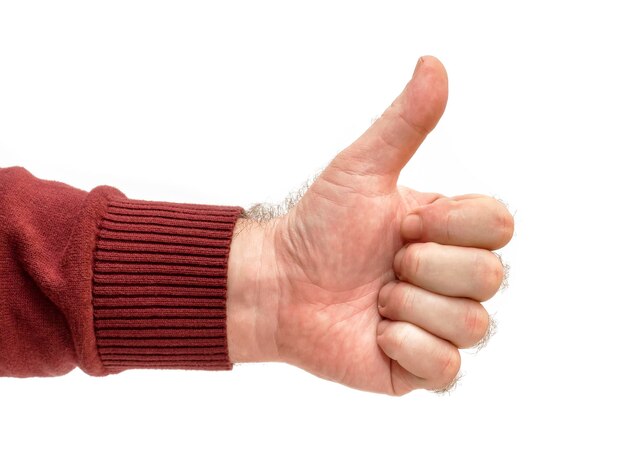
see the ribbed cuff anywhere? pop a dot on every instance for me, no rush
(159, 285)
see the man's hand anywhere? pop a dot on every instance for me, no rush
(363, 282)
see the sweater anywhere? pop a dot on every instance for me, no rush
(106, 283)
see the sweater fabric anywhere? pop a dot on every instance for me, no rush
(106, 283)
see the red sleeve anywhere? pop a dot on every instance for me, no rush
(107, 283)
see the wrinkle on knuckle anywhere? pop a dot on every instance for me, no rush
(419, 131)
(386, 141)
(407, 298)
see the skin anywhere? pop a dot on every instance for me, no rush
(363, 282)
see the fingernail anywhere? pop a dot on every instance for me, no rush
(419, 63)
(382, 326)
(397, 261)
(383, 294)
(412, 227)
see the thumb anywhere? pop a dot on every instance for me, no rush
(384, 149)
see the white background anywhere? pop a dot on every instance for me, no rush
(241, 103)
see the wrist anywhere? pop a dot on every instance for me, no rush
(252, 293)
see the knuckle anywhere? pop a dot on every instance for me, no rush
(490, 275)
(504, 225)
(476, 323)
(448, 367)
(496, 271)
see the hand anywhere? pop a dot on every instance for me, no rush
(363, 282)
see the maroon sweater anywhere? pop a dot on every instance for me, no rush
(107, 283)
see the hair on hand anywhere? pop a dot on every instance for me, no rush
(492, 328)
(265, 211)
(507, 270)
(448, 389)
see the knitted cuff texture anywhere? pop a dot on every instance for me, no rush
(159, 285)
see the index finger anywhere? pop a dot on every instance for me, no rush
(471, 220)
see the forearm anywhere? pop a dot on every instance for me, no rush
(45, 285)
(106, 283)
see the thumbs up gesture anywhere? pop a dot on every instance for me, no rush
(363, 282)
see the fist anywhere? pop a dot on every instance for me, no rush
(434, 307)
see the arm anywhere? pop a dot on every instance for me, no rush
(361, 282)
(106, 283)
